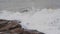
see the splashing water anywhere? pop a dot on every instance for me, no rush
(45, 20)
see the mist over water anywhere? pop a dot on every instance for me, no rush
(45, 20)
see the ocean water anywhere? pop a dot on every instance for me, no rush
(45, 20)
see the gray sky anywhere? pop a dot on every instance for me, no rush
(18, 4)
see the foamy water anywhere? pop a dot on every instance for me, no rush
(45, 20)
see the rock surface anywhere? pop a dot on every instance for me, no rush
(13, 27)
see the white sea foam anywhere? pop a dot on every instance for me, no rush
(45, 20)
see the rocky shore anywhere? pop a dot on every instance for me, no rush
(13, 27)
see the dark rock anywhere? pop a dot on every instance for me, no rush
(3, 22)
(9, 24)
(13, 27)
(17, 30)
(32, 32)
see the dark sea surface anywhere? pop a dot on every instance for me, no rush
(19, 4)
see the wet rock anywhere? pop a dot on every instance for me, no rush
(8, 25)
(3, 22)
(17, 31)
(32, 32)
(13, 27)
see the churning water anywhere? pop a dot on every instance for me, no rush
(45, 20)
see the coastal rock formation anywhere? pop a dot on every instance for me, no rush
(13, 27)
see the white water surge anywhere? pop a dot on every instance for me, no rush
(45, 20)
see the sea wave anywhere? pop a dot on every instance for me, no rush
(45, 20)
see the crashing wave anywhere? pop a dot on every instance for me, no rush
(45, 20)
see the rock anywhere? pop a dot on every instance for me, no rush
(13, 27)
(3, 22)
(17, 31)
(32, 32)
(8, 25)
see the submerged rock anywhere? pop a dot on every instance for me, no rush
(13, 27)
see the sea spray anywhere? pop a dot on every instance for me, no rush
(45, 20)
